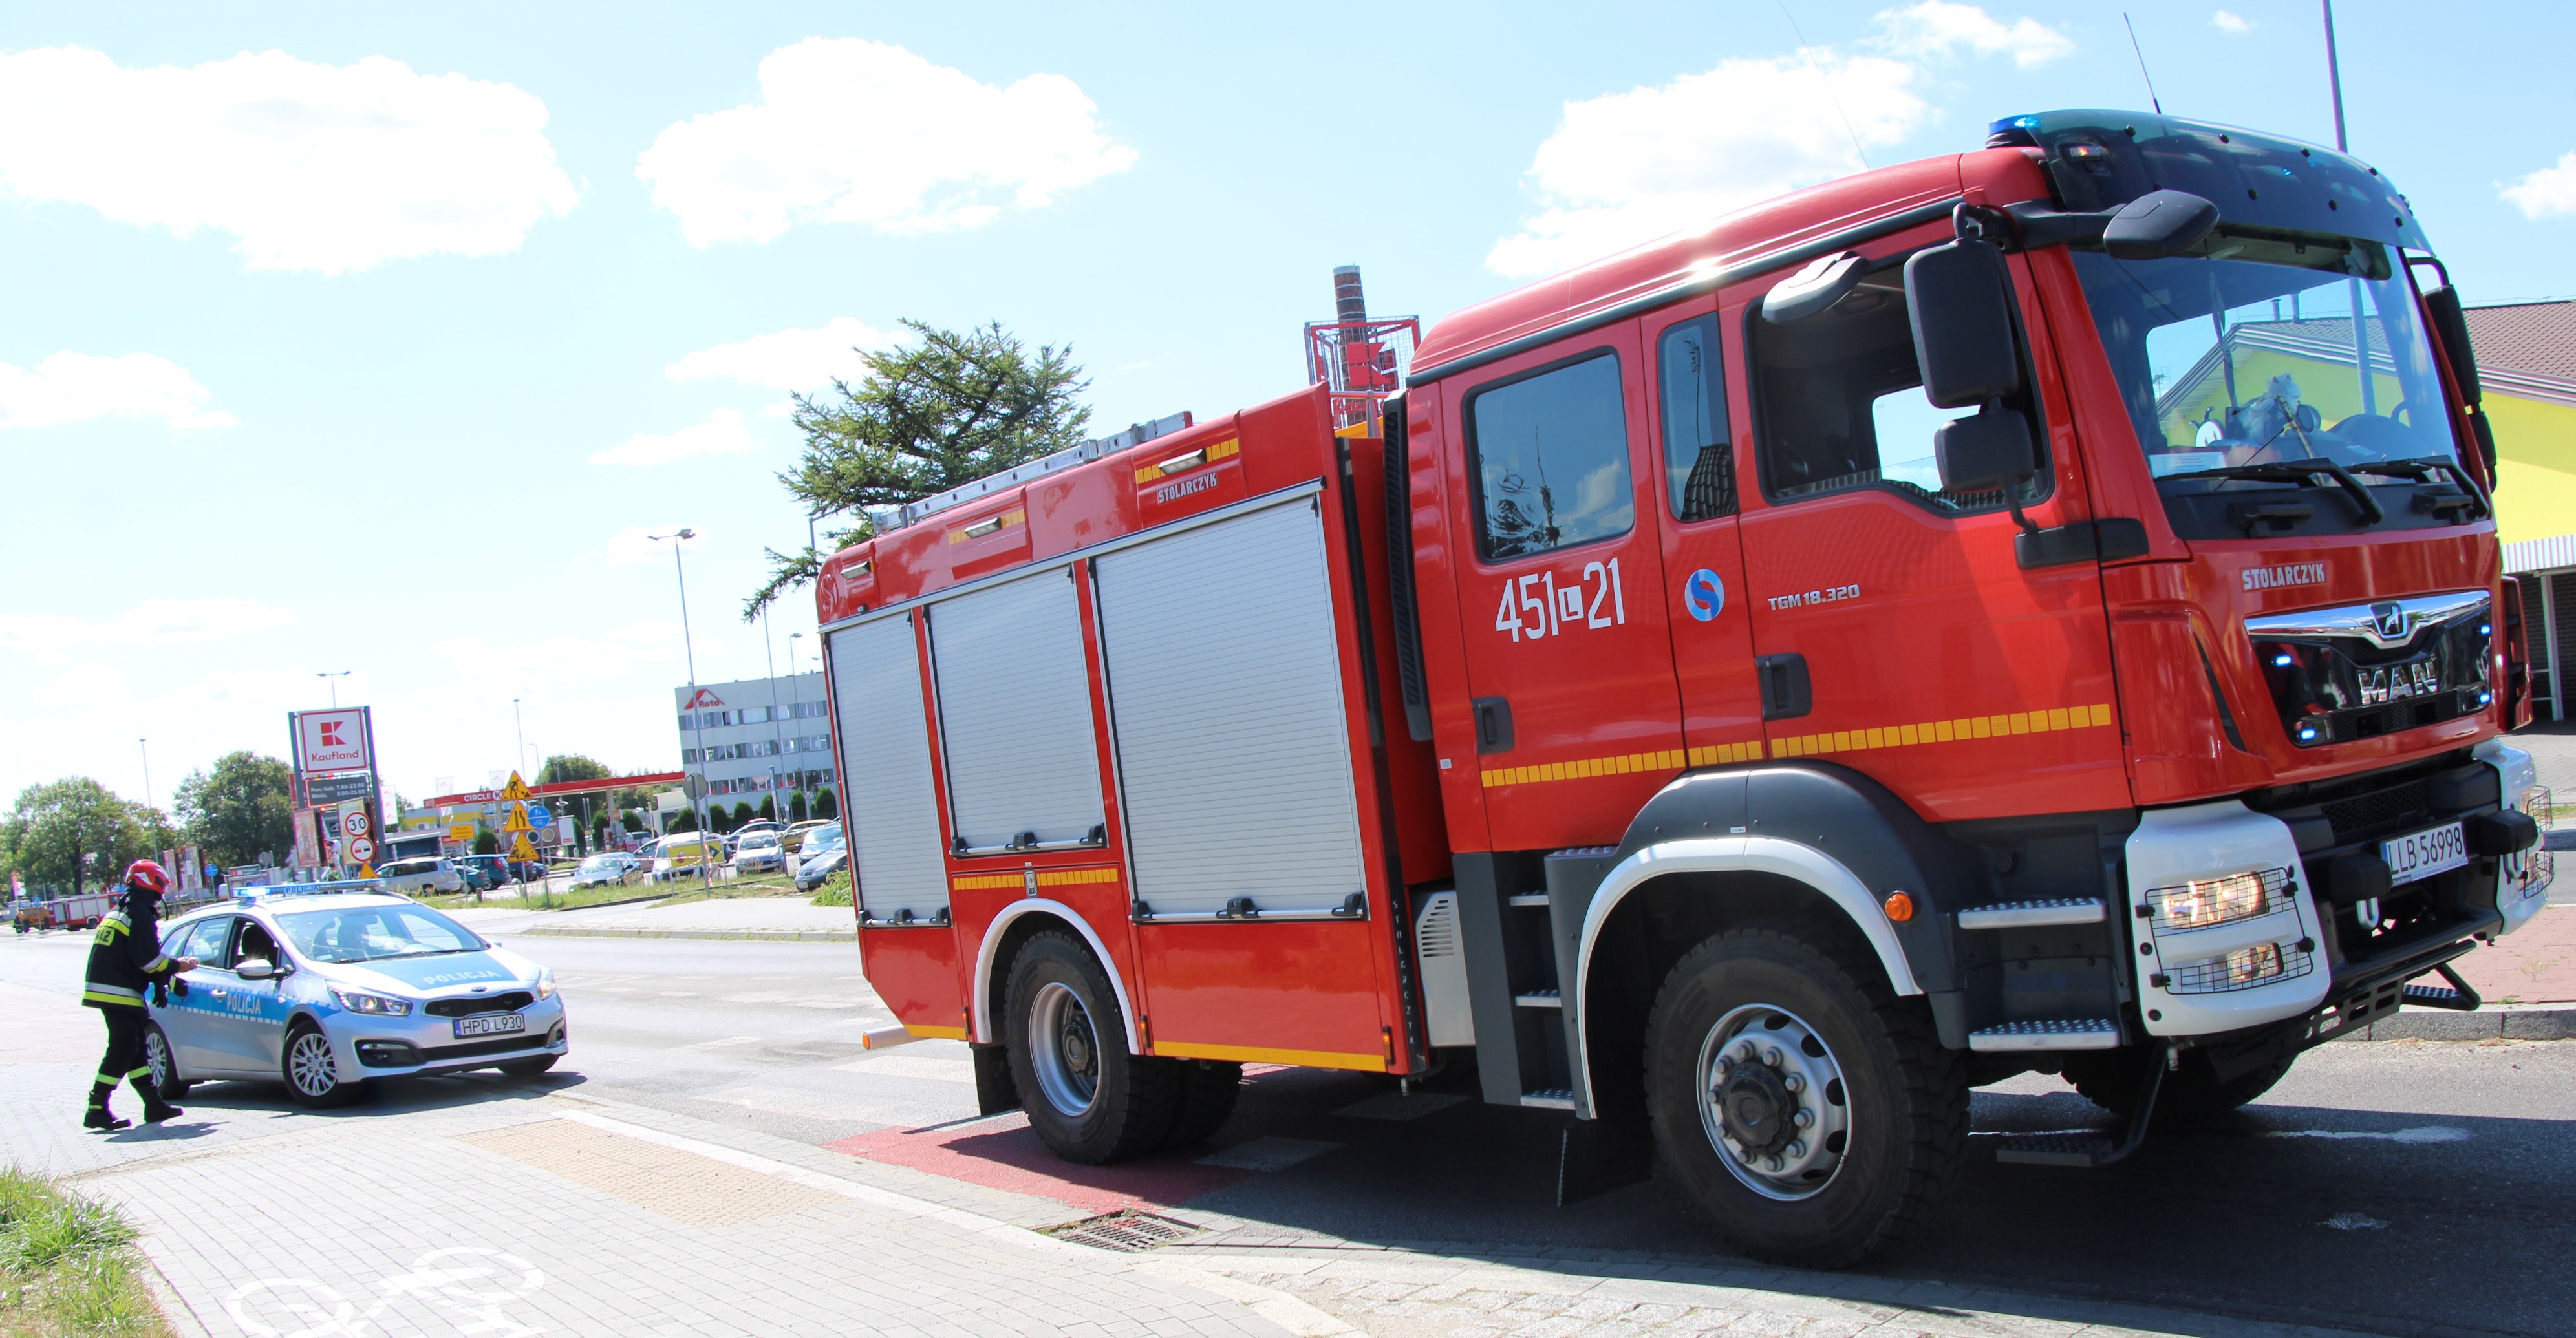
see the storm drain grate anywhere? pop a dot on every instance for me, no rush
(1126, 1231)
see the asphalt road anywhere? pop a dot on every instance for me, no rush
(2397, 1187)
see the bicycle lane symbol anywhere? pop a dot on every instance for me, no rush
(442, 1279)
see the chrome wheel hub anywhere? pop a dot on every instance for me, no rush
(1772, 1103)
(156, 1059)
(1064, 1049)
(308, 1064)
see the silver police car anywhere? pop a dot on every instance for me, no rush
(324, 987)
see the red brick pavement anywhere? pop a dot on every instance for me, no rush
(2535, 964)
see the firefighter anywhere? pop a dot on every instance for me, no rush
(125, 959)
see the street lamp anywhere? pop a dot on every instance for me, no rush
(333, 676)
(697, 731)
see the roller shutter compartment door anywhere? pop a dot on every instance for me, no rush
(1225, 690)
(1015, 713)
(888, 810)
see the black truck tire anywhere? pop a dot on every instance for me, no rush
(1208, 1089)
(2192, 1092)
(1811, 1112)
(1088, 1097)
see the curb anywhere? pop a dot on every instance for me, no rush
(757, 935)
(2487, 1024)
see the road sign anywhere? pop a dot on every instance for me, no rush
(361, 849)
(540, 816)
(518, 820)
(460, 832)
(354, 823)
(521, 850)
(516, 791)
(333, 789)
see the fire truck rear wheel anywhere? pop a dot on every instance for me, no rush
(1811, 1112)
(1088, 1097)
(1208, 1089)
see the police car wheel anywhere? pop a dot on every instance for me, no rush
(164, 1069)
(312, 1074)
(1088, 1098)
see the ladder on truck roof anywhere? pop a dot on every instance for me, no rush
(1136, 434)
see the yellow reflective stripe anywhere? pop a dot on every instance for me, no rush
(1071, 877)
(1214, 453)
(110, 994)
(1619, 764)
(1254, 1054)
(158, 963)
(987, 882)
(936, 1033)
(2047, 720)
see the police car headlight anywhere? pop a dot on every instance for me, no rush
(376, 1004)
(545, 984)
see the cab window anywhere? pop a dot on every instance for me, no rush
(1699, 454)
(204, 940)
(1550, 453)
(1838, 403)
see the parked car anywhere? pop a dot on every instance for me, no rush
(421, 874)
(680, 856)
(800, 833)
(760, 852)
(478, 877)
(813, 873)
(493, 869)
(607, 869)
(325, 990)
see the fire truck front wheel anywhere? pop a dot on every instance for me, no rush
(1811, 1112)
(1088, 1097)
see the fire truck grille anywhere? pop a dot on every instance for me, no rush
(2378, 810)
(1126, 1232)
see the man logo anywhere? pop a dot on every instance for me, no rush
(2391, 619)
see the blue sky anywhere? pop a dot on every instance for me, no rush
(339, 339)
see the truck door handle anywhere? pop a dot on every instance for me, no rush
(1785, 692)
(1493, 725)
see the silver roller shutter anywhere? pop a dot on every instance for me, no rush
(888, 810)
(1225, 690)
(1015, 712)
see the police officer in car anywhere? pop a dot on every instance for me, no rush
(125, 959)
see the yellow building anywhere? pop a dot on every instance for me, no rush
(2527, 366)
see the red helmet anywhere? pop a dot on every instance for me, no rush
(145, 874)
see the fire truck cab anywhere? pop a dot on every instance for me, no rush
(2035, 608)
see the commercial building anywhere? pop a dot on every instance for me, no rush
(2527, 367)
(756, 737)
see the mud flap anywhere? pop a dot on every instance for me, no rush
(1597, 1156)
(994, 1090)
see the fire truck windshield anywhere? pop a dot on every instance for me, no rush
(2250, 351)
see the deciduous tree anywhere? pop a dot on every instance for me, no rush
(75, 832)
(244, 806)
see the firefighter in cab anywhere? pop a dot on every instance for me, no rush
(125, 959)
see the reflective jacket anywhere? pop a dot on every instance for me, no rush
(125, 954)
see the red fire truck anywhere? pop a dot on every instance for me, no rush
(2030, 609)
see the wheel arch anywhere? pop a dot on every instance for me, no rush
(1811, 843)
(1016, 924)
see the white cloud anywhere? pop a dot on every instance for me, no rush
(2227, 21)
(852, 131)
(1631, 166)
(314, 167)
(1628, 167)
(2548, 192)
(788, 359)
(722, 433)
(636, 543)
(152, 623)
(69, 387)
(1939, 28)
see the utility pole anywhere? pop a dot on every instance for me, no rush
(777, 730)
(706, 873)
(146, 746)
(333, 677)
(2334, 80)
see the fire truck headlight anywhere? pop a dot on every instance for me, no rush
(2204, 902)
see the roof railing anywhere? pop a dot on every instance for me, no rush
(1136, 434)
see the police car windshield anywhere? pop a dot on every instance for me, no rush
(373, 933)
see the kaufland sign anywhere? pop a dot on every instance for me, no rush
(332, 740)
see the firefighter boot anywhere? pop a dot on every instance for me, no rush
(99, 1116)
(155, 1110)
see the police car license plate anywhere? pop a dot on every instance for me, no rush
(492, 1024)
(2425, 853)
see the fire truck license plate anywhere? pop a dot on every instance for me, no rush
(2423, 854)
(492, 1024)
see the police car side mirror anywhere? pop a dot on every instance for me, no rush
(254, 968)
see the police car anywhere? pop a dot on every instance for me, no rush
(325, 986)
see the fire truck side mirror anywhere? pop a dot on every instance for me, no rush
(1985, 452)
(2158, 225)
(1957, 295)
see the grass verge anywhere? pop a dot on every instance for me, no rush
(835, 890)
(69, 1265)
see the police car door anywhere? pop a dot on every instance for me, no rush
(188, 1023)
(248, 1021)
